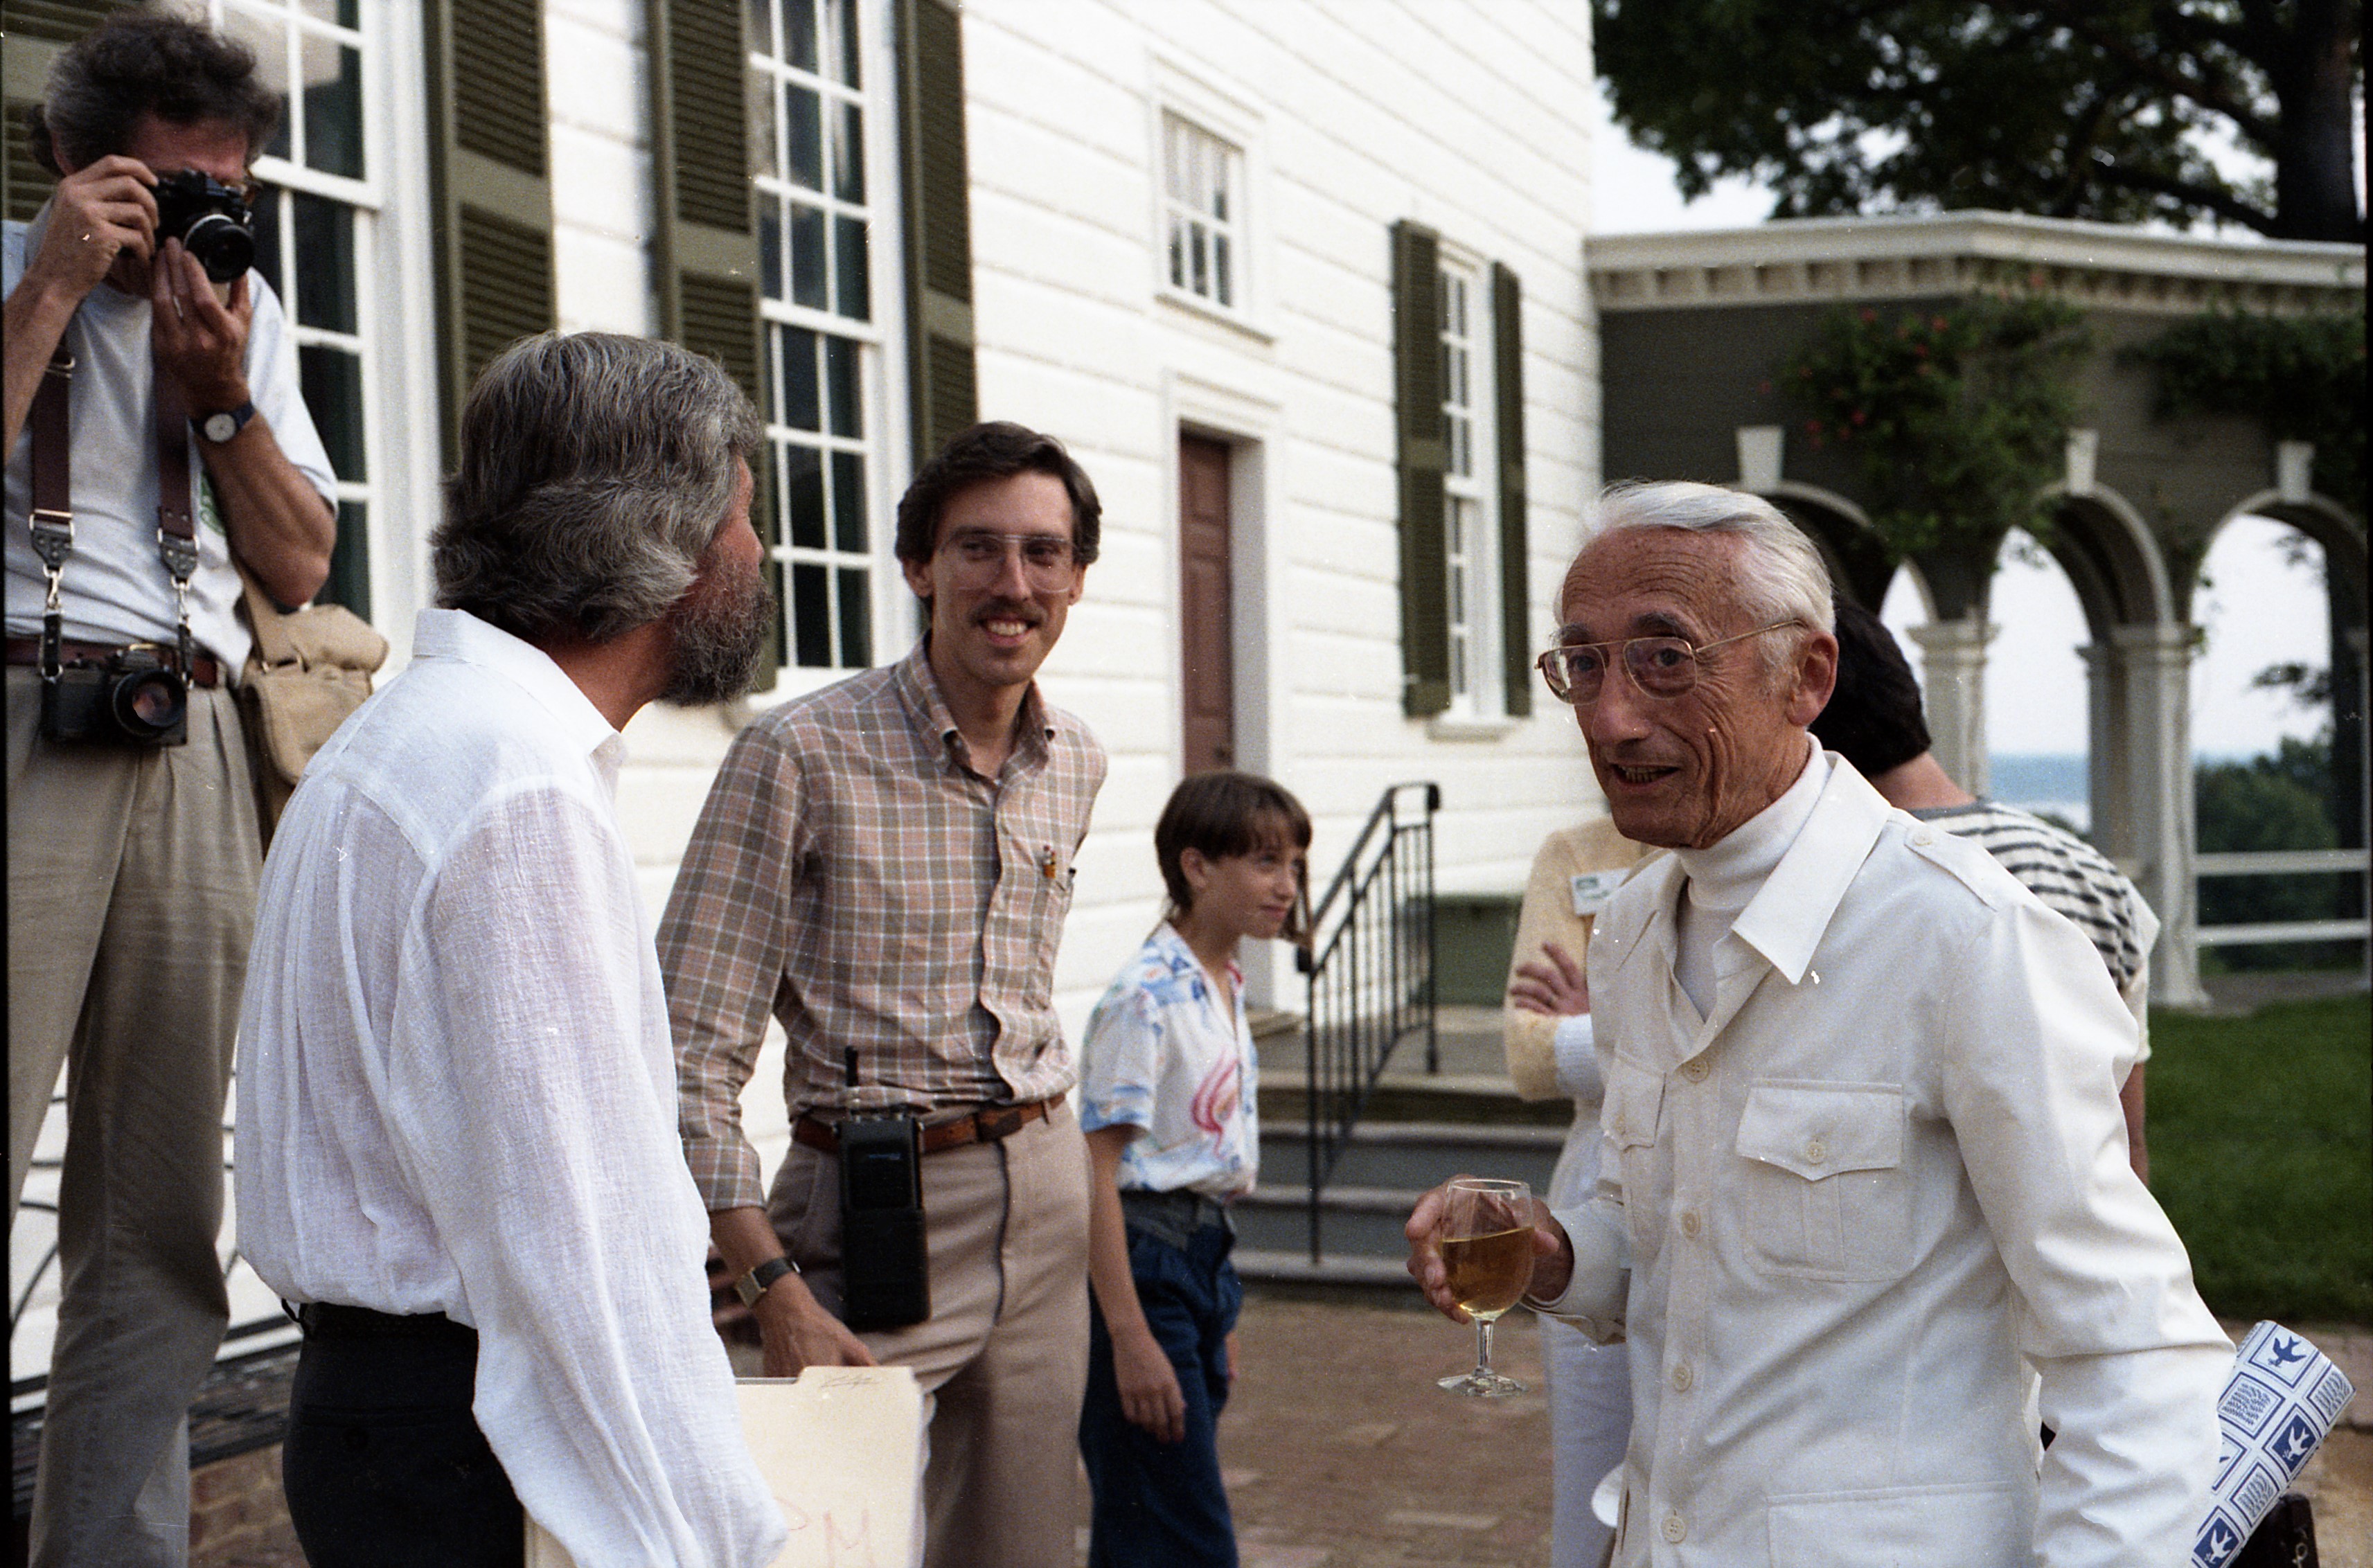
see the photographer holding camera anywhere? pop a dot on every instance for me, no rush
(133, 837)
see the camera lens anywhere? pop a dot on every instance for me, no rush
(224, 247)
(150, 702)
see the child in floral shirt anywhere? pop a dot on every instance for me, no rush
(1166, 1099)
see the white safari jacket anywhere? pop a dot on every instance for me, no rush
(1832, 1216)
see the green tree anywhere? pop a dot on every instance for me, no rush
(2277, 802)
(2082, 109)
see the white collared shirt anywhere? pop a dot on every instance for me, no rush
(1834, 1212)
(456, 1095)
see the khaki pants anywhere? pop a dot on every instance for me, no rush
(1003, 1358)
(132, 878)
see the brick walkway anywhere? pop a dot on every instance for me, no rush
(1340, 1453)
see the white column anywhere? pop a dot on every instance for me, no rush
(2158, 665)
(2108, 753)
(1954, 667)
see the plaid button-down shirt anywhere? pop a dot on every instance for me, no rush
(851, 874)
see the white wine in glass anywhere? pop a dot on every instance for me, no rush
(1487, 1247)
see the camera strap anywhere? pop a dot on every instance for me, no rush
(52, 519)
(53, 515)
(177, 531)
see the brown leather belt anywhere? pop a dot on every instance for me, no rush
(205, 671)
(984, 1126)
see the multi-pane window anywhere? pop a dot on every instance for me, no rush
(316, 204)
(823, 352)
(1203, 212)
(1466, 500)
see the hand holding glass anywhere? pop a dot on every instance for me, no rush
(1486, 1250)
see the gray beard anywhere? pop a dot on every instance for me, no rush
(720, 633)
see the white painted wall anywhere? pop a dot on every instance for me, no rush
(1468, 115)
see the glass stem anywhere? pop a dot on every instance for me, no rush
(1483, 1346)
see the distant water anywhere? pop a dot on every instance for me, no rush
(2053, 782)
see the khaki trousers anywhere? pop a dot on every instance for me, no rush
(1003, 1358)
(132, 878)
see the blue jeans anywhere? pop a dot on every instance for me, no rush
(1161, 1505)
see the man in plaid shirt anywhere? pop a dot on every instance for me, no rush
(885, 865)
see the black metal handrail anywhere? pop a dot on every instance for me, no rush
(1370, 965)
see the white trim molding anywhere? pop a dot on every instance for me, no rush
(1795, 260)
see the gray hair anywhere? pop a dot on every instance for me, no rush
(594, 470)
(1785, 579)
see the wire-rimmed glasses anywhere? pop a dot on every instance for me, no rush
(1659, 666)
(979, 556)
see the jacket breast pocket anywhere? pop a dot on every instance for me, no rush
(1634, 1103)
(1823, 1193)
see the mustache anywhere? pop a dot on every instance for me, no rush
(1009, 610)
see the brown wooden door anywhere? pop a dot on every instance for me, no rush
(1206, 616)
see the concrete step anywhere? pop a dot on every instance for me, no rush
(1354, 1221)
(1413, 1156)
(1292, 1267)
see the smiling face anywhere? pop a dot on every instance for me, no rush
(991, 637)
(1251, 895)
(1683, 772)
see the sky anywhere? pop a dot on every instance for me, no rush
(2259, 607)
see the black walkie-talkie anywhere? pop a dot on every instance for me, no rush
(884, 1254)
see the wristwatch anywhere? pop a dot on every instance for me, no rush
(220, 428)
(753, 1285)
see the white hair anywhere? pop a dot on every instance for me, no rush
(1785, 577)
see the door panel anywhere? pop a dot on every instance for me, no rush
(1205, 605)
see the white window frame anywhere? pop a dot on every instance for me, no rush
(1470, 489)
(1230, 116)
(881, 358)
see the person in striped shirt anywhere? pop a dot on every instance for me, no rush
(1874, 722)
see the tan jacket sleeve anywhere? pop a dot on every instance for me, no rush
(1548, 917)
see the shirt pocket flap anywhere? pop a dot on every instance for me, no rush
(1817, 1131)
(1634, 1098)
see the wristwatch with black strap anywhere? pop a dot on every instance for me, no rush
(753, 1285)
(221, 427)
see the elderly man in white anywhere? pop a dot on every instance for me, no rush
(1862, 1144)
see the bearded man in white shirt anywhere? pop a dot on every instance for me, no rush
(457, 1142)
(1863, 1146)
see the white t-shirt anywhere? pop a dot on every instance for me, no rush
(115, 588)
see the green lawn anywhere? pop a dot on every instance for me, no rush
(2261, 1152)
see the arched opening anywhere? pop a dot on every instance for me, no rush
(2277, 727)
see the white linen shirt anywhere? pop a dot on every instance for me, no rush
(456, 1095)
(1842, 1205)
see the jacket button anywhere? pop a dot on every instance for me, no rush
(1674, 1529)
(1682, 1378)
(1695, 1070)
(1816, 1151)
(1691, 1223)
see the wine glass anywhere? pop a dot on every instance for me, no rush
(1487, 1247)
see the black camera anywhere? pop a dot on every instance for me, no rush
(211, 221)
(136, 698)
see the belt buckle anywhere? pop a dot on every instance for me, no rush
(996, 1122)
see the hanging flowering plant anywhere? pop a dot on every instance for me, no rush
(1959, 413)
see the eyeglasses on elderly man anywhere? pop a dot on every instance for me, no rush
(1660, 667)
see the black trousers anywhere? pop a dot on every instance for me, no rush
(385, 1466)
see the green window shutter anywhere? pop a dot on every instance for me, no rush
(36, 30)
(1508, 400)
(490, 187)
(935, 185)
(704, 243)
(1422, 457)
